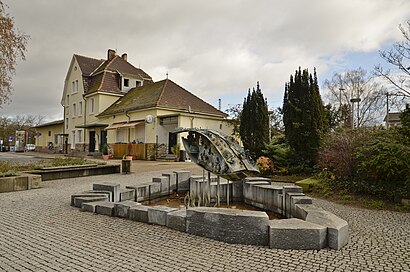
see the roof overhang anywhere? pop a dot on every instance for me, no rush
(92, 126)
(124, 125)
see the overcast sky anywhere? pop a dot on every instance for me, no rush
(214, 49)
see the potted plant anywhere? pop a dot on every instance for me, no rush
(129, 155)
(176, 150)
(106, 156)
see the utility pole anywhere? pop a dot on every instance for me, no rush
(387, 115)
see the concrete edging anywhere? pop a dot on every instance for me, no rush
(20, 183)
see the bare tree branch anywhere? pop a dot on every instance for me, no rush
(12, 47)
(399, 58)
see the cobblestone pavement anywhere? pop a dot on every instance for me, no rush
(39, 231)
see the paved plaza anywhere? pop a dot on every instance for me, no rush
(40, 231)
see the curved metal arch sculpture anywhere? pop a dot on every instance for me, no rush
(218, 153)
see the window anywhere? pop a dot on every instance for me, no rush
(66, 123)
(67, 101)
(91, 105)
(80, 136)
(80, 108)
(126, 82)
(75, 86)
(73, 140)
(137, 83)
(120, 135)
(49, 133)
(74, 110)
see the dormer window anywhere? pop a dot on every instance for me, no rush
(126, 82)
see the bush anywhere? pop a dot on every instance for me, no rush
(337, 152)
(375, 161)
(383, 162)
(265, 165)
(279, 152)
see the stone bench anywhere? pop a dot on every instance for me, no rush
(229, 225)
(138, 213)
(126, 194)
(78, 200)
(296, 234)
(158, 214)
(337, 228)
(177, 220)
(112, 187)
(105, 208)
(146, 192)
(121, 209)
(164, 185)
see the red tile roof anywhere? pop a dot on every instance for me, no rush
(87, 65)
(164, 93)
(105, 75)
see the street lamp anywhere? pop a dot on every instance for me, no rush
(356, 100)
(340, 96)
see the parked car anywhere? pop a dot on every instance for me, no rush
(30, 147)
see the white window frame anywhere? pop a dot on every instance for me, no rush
(120, 135)
(80, 136)
(74, 86)
(92, 104)
(74, 109)
(80, 108)
(73, 139)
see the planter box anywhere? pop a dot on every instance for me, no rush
(19, 183)
(75, 171)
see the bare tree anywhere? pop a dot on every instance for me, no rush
(358, 96)
(399, 57)
(276, 121)
(234, 112)
(12, 47)
(9, 126)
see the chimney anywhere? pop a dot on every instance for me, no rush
(124, 56)
(110, 54)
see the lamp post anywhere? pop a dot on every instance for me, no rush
(340, 96)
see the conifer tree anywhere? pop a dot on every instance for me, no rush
(254, 122)
(303, 115)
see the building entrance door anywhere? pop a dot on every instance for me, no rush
(91, 145)
(172, 141)
(103, 138)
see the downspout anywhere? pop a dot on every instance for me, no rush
(85, 120)
(129, 129)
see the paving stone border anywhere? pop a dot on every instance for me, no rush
(306, 226)
(20, 183)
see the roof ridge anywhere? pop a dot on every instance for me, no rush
(162, 91)
(77, 55)
(110, 62)
(98, 67)
(198, 97)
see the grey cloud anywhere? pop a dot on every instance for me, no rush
(212, 48)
